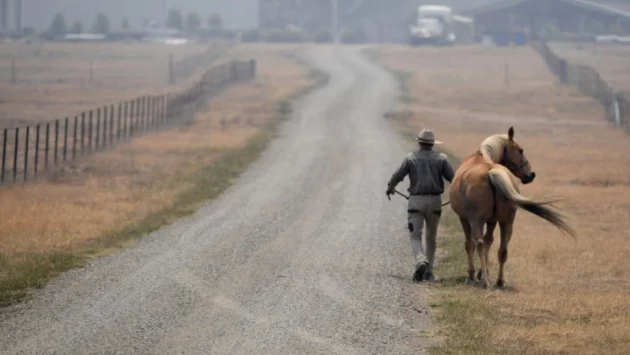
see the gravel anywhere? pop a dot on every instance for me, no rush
(304, 254)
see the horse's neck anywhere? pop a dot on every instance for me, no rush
(492, 150)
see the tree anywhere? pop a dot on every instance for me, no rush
(77, 27)
(175, 19)
(125, 23)
(101, 24)
(215, 21)
(193, 21)
(58, 25)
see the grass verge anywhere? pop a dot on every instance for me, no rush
(21, 273)
(553, 303)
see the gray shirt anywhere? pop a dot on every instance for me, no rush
(426, 168)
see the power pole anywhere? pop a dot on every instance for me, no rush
(335, 20)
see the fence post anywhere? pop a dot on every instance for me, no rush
(74, 137)
(56, 140)
(15, 153)
(151, 113)
(82, 132)
(36, 150)
(4, 154)
(125, 119)
(119, 120)
(143, 114)
(111, 125)
(47, 148)
(105, 116)
(65, 139)
(98, 129)
(625, 113)
(167, 108)
(132, 110)
(171, 74)
(90, 129)
(26, 139)
(148, 120)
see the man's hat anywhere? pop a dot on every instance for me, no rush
(427, 136)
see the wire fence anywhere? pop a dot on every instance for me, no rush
(91, 69)
(182, 69)
(589, 82)
(28, 152)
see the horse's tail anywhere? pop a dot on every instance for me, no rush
(502, 182)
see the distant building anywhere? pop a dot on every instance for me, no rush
(538, 17)
(10, 16)
(381, 20)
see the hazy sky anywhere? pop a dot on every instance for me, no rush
(235, 13)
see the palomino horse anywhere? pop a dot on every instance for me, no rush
(484, 190)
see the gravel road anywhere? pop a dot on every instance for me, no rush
(303, 255)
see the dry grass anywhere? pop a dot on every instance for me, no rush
(140, 185)
(610, 60)
(563, 297)
(53, 79)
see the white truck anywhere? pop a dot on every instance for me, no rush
(433, 25)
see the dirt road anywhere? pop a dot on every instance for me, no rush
(304, 254)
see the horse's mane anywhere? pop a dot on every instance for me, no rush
(492, 147)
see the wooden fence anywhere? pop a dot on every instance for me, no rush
(589, 82)
(27, 152)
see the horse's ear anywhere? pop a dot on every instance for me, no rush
(511, 133)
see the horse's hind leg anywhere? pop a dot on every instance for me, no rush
(506, 234)
(477, 237)
(470, 248)
(488, 238)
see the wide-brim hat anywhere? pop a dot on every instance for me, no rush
(427, 136)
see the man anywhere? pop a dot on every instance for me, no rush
(426, 169)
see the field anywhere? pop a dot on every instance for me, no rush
(100, 203)
(610, 60)
(54, 80)
(562, 296)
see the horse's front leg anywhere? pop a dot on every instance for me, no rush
(506, 235)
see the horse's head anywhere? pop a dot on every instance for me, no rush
(514, 159)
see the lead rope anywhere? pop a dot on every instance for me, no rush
(407, 197)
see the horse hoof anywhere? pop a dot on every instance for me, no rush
(500, 283)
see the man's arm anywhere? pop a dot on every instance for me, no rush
(398, 175)
(447, 170)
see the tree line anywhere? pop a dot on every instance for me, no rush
(102, 25)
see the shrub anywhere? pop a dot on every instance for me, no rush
(250, 36)
(284, 36)
(356, 35)
(323, 37)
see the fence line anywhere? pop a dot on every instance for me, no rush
(177, 69)
(590, 83)
(60, 141)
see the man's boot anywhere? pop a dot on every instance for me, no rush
(421, 267)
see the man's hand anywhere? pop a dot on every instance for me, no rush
(389, 191)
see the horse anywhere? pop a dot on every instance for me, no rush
(485, 190)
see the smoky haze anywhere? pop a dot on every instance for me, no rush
(235, 13)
